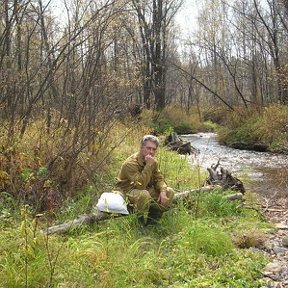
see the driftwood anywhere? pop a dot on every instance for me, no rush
(174, 143)
(224, 178)
(186, 193)
(85, 219)
(281, 226)
(233, 197)
(100, 216)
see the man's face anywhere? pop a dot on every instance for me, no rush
(148, 149)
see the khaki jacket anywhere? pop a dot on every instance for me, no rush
(134, 174)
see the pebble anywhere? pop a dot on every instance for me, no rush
(285, 241)
(275, 273)
(273, 267)
(280, 250)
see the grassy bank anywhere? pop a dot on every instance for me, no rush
(266, 129)
(174, 118)
(197, 243)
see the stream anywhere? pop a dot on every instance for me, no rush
(261, 172)
(267, 175)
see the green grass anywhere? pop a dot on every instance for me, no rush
(187, 249)
(178, 173)
(193, 246)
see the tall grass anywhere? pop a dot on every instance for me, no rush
(193, 245)
(188, 248)
(183, 251)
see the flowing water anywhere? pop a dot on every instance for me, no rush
(266, 173)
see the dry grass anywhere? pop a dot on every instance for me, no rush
(248, 239)
(250, 126)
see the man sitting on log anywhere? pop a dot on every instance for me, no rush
(141, 181)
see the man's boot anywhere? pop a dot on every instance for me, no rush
(154, 216)
(141, 219)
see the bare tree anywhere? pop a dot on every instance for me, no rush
(154, 19)
(66, 78)
(242, 52)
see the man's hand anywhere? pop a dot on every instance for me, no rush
(149, 160)
(163, 199)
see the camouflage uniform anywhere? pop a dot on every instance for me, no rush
(142, 184)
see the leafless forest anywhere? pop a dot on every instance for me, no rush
(76, 69)
(107, 55)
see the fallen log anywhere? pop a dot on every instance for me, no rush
(281, 226)
(186, 193)
(88, 219)
(85, 219)
(99, 216)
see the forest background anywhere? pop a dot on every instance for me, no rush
(71, 77)
(75, 88)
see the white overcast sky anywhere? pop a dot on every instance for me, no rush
(186, 16)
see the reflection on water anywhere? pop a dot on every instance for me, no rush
(268, 171)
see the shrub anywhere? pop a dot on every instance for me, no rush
(172, 118)
(44, 169)
(209, 126)
(216, 114)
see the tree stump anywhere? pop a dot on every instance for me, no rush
(224, 178)
(174, 143)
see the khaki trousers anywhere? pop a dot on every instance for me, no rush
(143, 199)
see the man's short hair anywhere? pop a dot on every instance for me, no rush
(151, 138)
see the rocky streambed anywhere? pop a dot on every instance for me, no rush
(268, 177)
